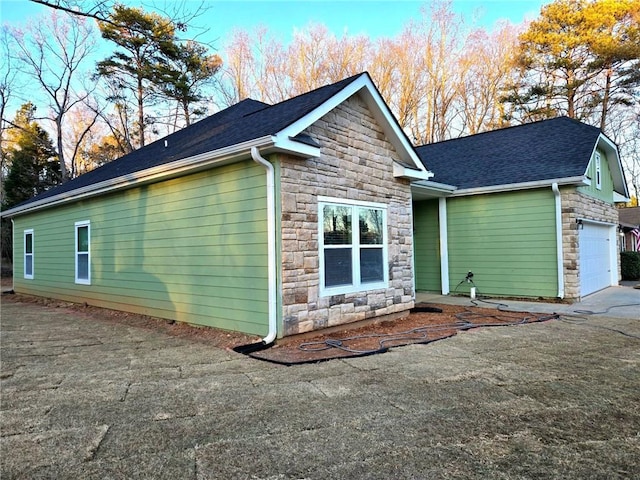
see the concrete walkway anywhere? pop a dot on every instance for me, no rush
(618, 302)
(84, 398)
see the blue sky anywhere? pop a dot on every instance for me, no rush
(372, 18)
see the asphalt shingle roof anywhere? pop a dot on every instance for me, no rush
(242, 122)
(550, 149)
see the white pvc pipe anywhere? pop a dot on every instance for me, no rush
(559, 254)
(271, 245)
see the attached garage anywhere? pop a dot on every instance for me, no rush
(598, 263)
(531, 212)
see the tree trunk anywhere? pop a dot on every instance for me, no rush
(63, 166)
(140, 112)
(605, 99)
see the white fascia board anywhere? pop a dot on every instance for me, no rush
(519, 186)
(617, 198)
(161, 172)
(428, 185)
(615, 164)
(400, 171)
(282, 143)
(379, 109)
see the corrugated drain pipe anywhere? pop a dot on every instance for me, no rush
(271, 245)
(559, 254)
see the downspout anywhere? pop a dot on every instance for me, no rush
(271, 245)
(559, 254)
(444, 245)
(13, 255)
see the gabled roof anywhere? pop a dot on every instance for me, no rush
(629, 216)
(555, 150)
(229, 135)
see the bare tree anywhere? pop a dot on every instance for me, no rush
(53, 51)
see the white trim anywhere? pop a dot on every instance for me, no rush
(161, 172)
(357, 285)
(346, 201)
(598, 167)
(291, 146)
(379, 109)
(519, 186)
(29, 231)
(444, 245)
(559, 250)
(271, 245)
(78, 225)
(400, 171)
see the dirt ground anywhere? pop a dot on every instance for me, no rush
(91, 396)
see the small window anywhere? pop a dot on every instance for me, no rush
(352, 260)
(598, 172)
(83, 253)
(28, 254)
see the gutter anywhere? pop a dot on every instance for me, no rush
(271, 244)
(559, 253)
(579, 180)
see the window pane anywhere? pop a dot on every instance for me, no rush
(371, 267)
(337, 225)
(83, 239)
(83, 266)
(28, 265)
(337, 267)
(370, 226)
(28, 243)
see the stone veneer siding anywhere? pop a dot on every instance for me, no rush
(356, 163)
(577, 205)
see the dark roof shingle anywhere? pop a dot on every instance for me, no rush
(242, 122)
(545, 150)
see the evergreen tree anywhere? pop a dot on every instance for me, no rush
(34, 166)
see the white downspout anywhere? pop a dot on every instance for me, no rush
(559, 254)
(444, 245)
(271, 245)
(13, 255)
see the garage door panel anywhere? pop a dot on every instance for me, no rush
(595, 258)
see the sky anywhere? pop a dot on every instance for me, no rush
(372, 18)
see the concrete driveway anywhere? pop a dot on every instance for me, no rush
(84, 398)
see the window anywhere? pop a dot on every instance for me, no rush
(352, 260)
(28, 254)
(598, 172)
(83, 253)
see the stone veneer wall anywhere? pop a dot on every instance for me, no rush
(356, 163)
(577, 205)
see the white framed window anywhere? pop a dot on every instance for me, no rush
(598, 171)
(352, 259)
(28, 254)
(83, 252)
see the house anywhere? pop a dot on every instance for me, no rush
(317, 211)
(529, 210)
(629, 229)
(266, 219)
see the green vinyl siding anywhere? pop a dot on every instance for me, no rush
(191, 249)
(606, 192)
(507, 240)
(427, 245)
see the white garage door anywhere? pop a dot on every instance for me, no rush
(595, 257)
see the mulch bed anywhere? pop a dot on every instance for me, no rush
(419, 327)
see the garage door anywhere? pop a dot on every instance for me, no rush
(595, 257)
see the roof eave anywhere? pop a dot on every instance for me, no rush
(579, 180)
(191, 164)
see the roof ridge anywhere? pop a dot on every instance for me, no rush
(511, 127)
